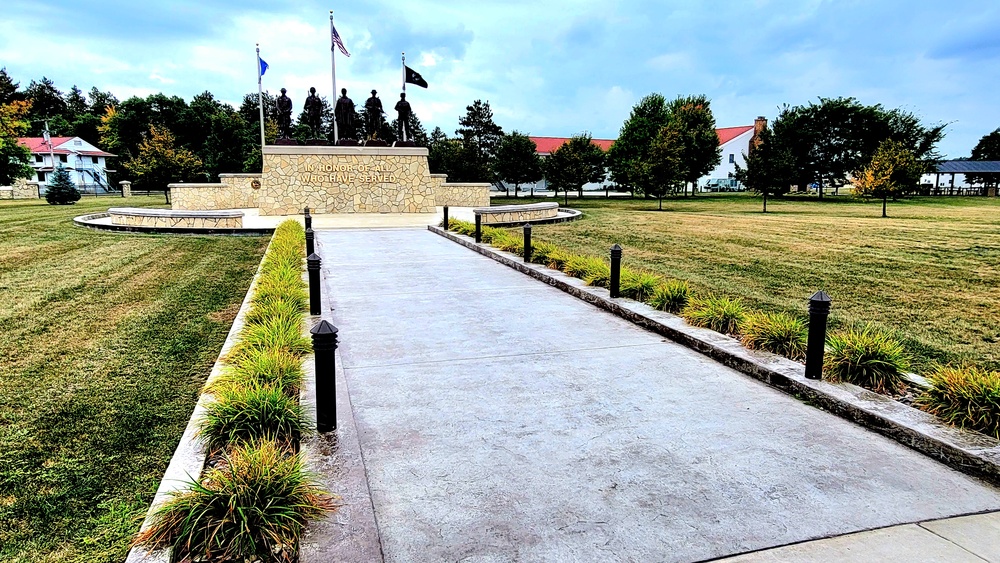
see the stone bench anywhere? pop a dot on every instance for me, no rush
(512, 214)
(176, 218)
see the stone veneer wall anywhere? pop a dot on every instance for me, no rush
(346, 180)
(462, 194)
(210, 196)
(518, 213)
(123, 217)
(244, 194)
(21, 189)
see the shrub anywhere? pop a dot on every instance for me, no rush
(964, 396)
(868, 357)
(779, 333)
(263, 367)
(639, 285)
(670, 296)
(508, 242)
(720, 314)
(252, 507)
(595, 271)
(61, 189)
(247, 411)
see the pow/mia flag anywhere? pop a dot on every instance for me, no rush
(413, 77)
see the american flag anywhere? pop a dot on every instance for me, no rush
(337, 41)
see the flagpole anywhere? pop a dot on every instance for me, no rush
(333, 70)
(260, 102)
(402, 126)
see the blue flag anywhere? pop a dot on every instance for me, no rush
(262, 67)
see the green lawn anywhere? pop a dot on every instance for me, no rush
(929, 271)
(105, 341)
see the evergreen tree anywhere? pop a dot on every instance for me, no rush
(61, 190)
(100, 101)
(769, 168)
(8, 89)
(480, 138)
(415, 130)
(47, 103)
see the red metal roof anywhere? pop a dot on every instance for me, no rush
(39, 146)
(727, 134)
(546, 145)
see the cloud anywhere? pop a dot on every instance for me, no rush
(552, 68)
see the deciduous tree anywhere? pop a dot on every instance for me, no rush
(664, 166)
(691, 118)
(577, 162)
(15, 158)
(159, 162)
(634, 141)
(518, 162)
(893, 171)
(988, 148)
(769, 168)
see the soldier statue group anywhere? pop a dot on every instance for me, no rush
(345, 115)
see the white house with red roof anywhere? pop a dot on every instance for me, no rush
(734, 143)
(87, 165)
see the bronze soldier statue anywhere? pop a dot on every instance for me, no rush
(373, 112)
(284, 104)
(314, 113)
(344, 114)
(403, 109)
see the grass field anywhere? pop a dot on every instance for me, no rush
(106, 341)
(930, 271)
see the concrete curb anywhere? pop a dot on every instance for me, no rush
(188, 460)
(88, 221)
(967, 451)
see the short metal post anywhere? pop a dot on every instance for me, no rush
(527, 243)
(324, 337)
(309, 218)
(312, 264)
(479, 228)
(616, 271)
(310, 241)
(819, 310)
(446, 217)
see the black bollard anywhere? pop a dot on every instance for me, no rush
(446, 217)
(324, 337)
(819, 310)
(310, 241)
(527, 243)
(479, 228)
(309, 218)
(616, 271)
(312, 264)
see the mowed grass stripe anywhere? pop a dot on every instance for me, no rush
(928, 272)
(108, 339)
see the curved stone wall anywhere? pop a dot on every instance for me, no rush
(170, 218)
(517, 213)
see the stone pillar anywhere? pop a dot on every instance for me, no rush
(126, 188)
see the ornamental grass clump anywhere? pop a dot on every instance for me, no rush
(670, 296)
(967, 396)
(289, 304)
(869, 357)
(283, 333)
(508, 242)
(639, 285)
(252, 507)
(276, 368)
(591, 269)
(720, 314)
(247, 411)
(779, 333)
(548, 254)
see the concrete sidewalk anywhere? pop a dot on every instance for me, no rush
(503, 420)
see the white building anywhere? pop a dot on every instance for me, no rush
(734, 142)
(87, 165)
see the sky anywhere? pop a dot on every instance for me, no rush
(548, 68)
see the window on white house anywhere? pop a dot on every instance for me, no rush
(732, 158)
(93, 159)
(39, 158)
(41, 176)
(62, 158)
(78, 143)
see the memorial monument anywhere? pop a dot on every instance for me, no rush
(374, 121)
(343, 114)
(284, 106)
(314, 114)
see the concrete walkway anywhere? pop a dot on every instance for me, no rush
(503, 420)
